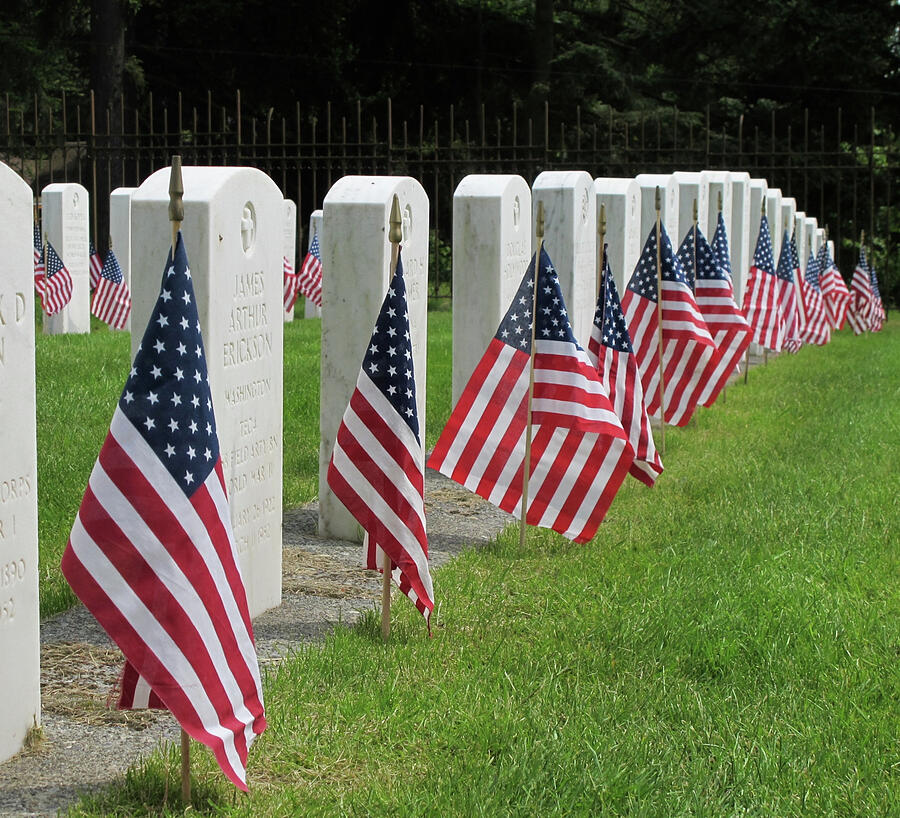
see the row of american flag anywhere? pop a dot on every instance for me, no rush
(111, 302)
(152, 552)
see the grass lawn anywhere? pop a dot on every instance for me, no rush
(727, 645)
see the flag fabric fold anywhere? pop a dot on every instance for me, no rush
(152, 552)
(834, 290)
(95, 266)
(376, 469)
(788, 295)
(715, 300)
(39, 268)
(290, 284)
(688, 347)
(309, 279)
(112, 298)
(760, 306)
(55, 287)
(579, 455)
(861, 294)
(610, 350)
(817, 329)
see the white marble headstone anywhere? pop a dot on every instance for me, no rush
(786, 220)
(720, 183)
(20, 679)
(570, 238)
(120, 232)
(622, 200)
(810, 226)
(820, 239)
(758, 190)
(311, 310)
(692, 187)
(233, 233)
(801, 239)
(739, 246)
(492, 238)
(668, 205)
(830, 244)
(773, 215)
(65, 226)
(290, 244)
(356, 255)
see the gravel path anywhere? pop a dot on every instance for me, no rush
(87, 745)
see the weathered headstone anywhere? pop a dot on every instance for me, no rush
(668, 204)
(786, 221)
(310, 309)
(719, 183)
(19, 615)
(801, 239)
(289, 226)
(570, 237)
(773, 216)
(492, 239)
(356, 255)
(739, 245)
(692, 187)
(622, 199)
(120, 232)
(233, 233)
(65, 226)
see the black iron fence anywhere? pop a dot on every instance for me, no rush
(844, 173)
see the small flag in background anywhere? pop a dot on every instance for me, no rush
(96, 266)
(290, 284)
(56, 290)
(39, 268)
(726, 323)
(862, 296)
(835, 292)
(112, 299)
(761, 296)
(376, 469)
(787, 295)
(817, 329)
(610, 351)
(579, 455)
(688, 348)
(152, 552)
(876, 314)
(309, 279)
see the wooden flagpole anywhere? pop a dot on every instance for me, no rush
(526, 463)
(694, 285)
(176, 217)
(601, 231)
(659, 320)
(395, 236)
(724, 388)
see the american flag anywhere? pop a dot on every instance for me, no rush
(56, 287)
(726, 323)
(834, 290)
(112, 299)
(862, 296)
(290, 284)
(720, 247)
(152, 552)
(39, 268)
(579, 455)
(877, 315)
(817, 329)
(761, 296)
(96, 266)
(309, 279)
(787, 298)
(610, 351)
(376, 468)
(688, 347)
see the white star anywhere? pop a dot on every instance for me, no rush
(207, 454)
(156, 372)
(170, 271)
(179, 373)
(186, 297)
(409, 412)
(409, 393)
(191, 453)
(187, 271)
(391, 292)
(132, 373)
(173, 425)
(522, 299)
(199, 351)
(181, 349)
(392, 370)
(208, 428)
(128, 397)
(209, 402)
(373, 349)
(188, 477)
(149, 423)
(392, 350)
(195, 402)
(166, 295)
(152, 398)
(392, 390)
(197, 376)
(391, 312)
(162, 321)
(545, 331)
(373, 368)
(159, 346)
(176, 399)
(170, 450)
(184, 322)
(193, 426)
(392, 332)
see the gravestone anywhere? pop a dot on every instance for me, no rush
(310, 309)
(356, 255)
(622, 200)
(692, 187)
(739, 246)
(801, 239)
(65, 226)
(19, 615)
(668, 192)
(820, 239)
(233, 233)
(570, 237)
(719, 183)
(758, 190)
(492, 238)
(830, 245)
(810, 225)
(773, 215)
(289, 245)
(786, 221)
(120, 232)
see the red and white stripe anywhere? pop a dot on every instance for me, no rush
(761, 309)
(688, 348)
(112, 302)
(861, 301)
(817, 328)
(56, 288)
(96, 267)
(309, 279)
(580, 454)
(835, 293)
(158, 569)
(290, 285)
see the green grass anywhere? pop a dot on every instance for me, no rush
(728, 645)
